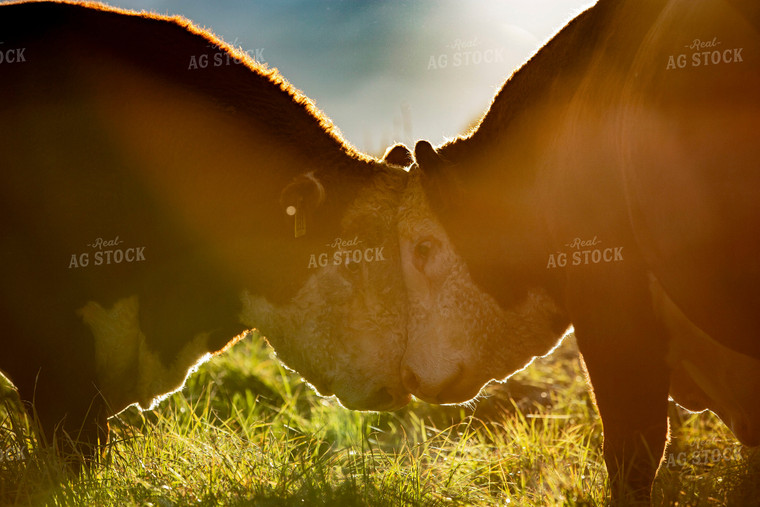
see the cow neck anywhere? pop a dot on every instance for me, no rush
(495, 167)
(501, 166)
(529, 102)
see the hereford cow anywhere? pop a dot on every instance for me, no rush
(161, 195)
(613, 186)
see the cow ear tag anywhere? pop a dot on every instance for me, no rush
(302, 195)
(299, 212)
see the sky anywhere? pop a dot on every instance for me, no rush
(385, 71)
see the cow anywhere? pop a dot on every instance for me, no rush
(162, 194)
(611, 188)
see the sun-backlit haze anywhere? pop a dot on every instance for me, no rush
(385, 71)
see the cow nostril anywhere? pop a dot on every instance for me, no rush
(410, 380)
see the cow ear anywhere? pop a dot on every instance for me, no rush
(399, 155)
(437, 176)
(301, 198)
(426, 157)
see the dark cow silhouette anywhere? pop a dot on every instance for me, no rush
(613, 186)
(161, 195)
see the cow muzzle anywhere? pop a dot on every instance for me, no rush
(455, 387)
(384, 399)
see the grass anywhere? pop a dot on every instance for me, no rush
(245, 431)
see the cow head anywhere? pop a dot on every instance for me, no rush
(460, 337)
(344, 330)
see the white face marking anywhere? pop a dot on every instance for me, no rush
(459, 337)
(353, 352)
(707, 375)
(128, 371)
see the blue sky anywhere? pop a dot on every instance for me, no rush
(386, 71)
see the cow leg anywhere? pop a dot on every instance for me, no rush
(634, 420)
(69, 414)
(624, 351)
(78, 434)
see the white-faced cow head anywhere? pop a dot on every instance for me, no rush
(459, 337)
(345, 329)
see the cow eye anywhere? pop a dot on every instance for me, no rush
(422, 249)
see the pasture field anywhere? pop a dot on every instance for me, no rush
(247, 432)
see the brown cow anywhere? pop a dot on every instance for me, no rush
(162, 194)
(612, 185)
